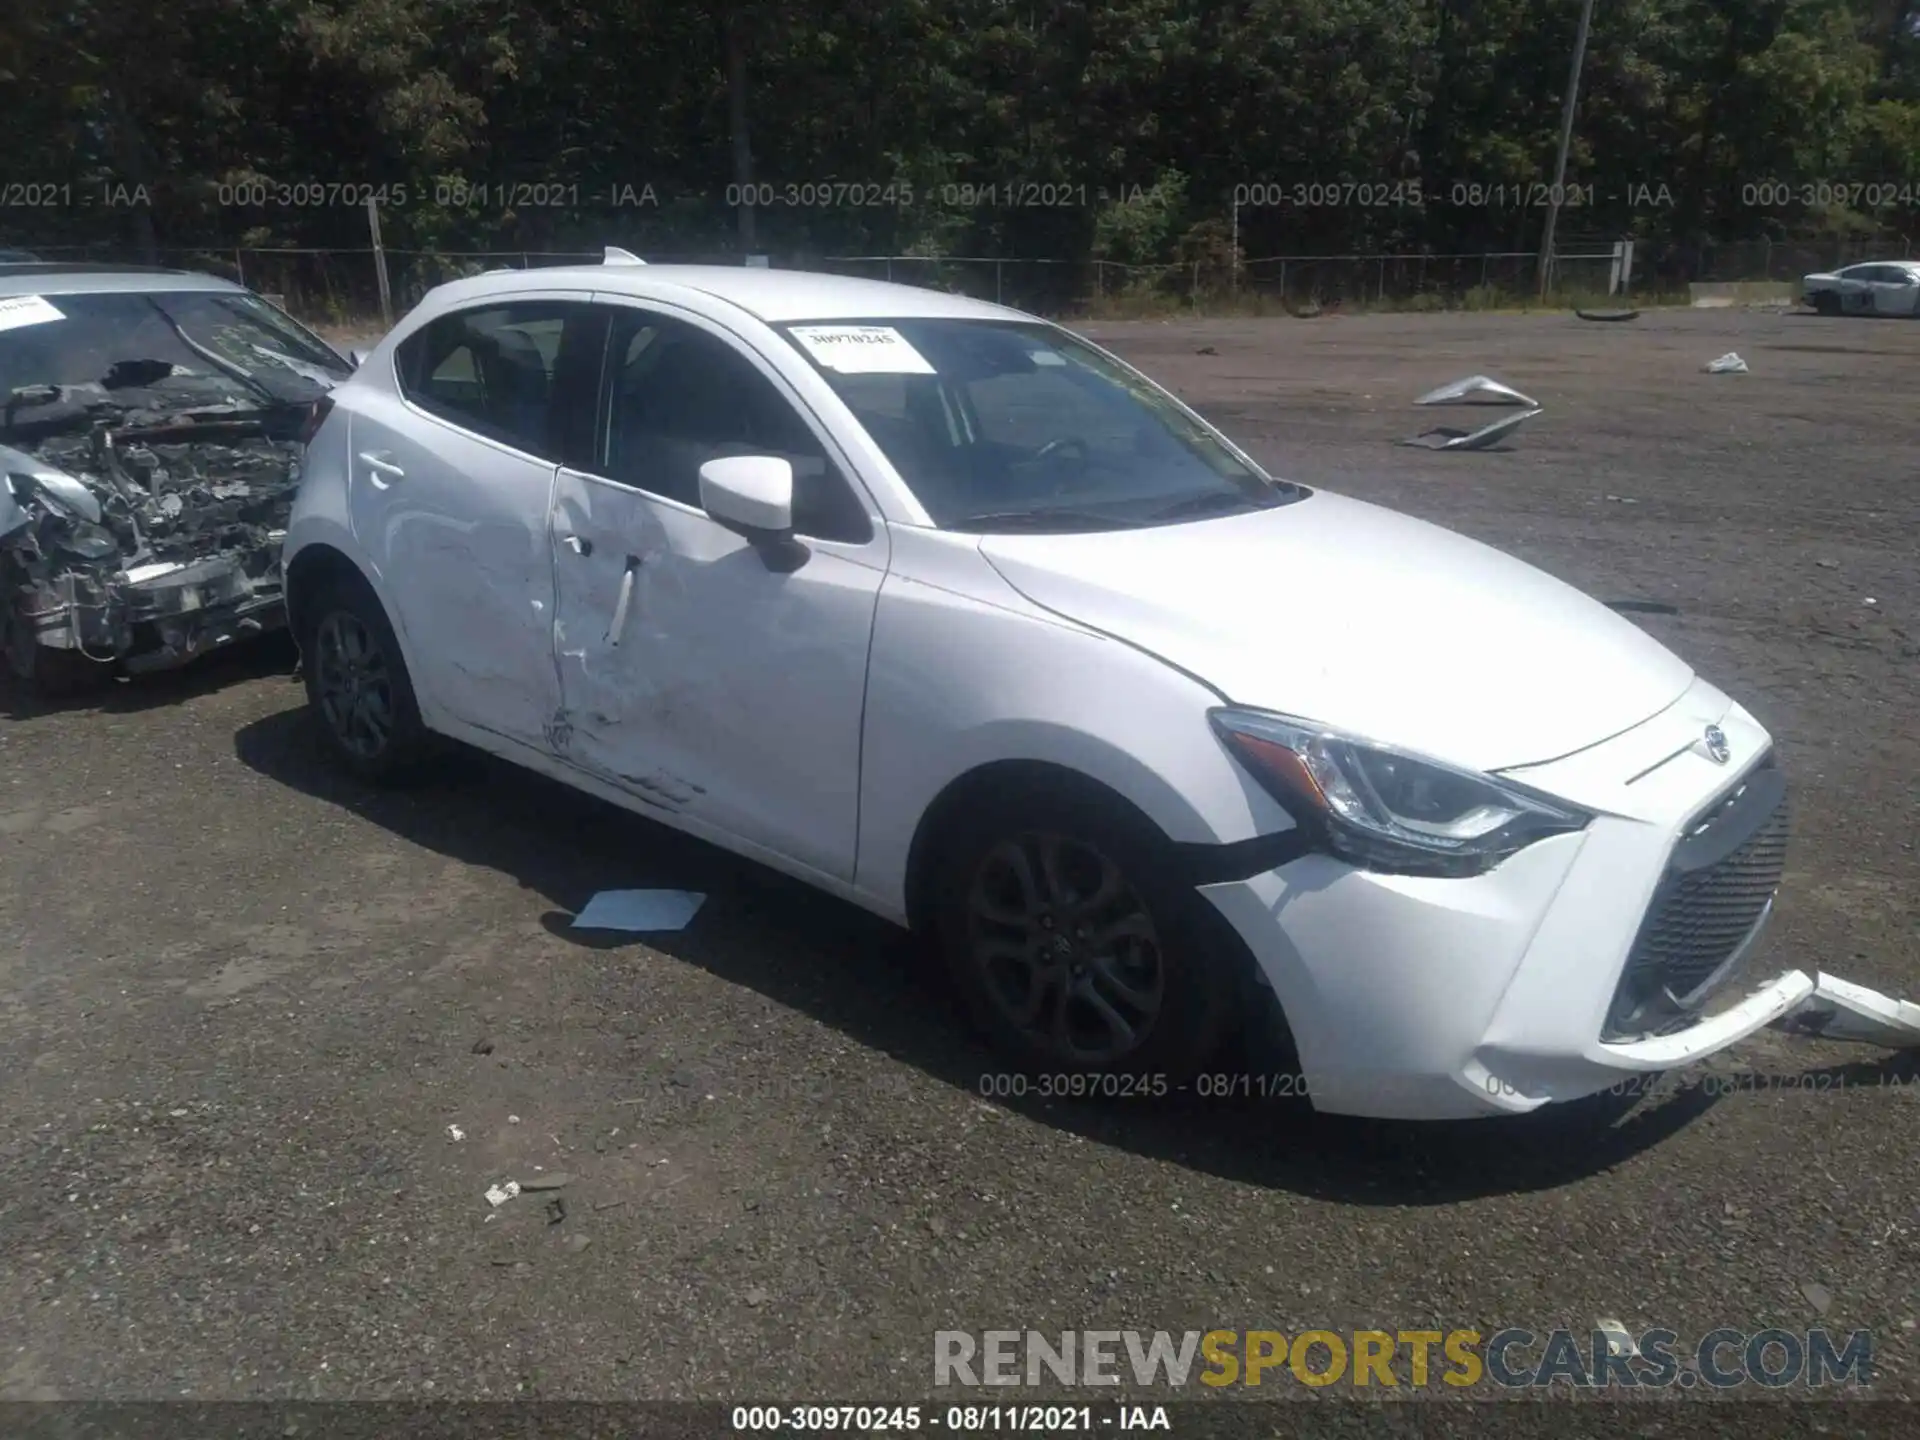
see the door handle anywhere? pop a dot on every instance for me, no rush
(579, 544)
(376, 461)
(619, 621)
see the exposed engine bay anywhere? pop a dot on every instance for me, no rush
(150, 451)
(142, 528)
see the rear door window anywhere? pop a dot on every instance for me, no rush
(493, 370)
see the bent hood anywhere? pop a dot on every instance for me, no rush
(1365, 619)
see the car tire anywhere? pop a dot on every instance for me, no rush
(1029, 964)
(358, 689)
(1827, 303)
(48, 672)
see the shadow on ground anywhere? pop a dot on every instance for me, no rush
(273, 654)
(878, 986)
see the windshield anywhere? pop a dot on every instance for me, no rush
(237, 339)
(1003, 426)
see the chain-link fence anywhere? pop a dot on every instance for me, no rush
(343, 285)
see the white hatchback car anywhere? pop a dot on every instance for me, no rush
(957, 616)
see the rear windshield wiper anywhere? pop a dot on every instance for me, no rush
(1046, 517)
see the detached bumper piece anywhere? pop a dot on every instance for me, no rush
(1841, 1010)
(1445, 437)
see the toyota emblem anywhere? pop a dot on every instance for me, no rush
(1718, 750)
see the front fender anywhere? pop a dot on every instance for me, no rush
(957, 682)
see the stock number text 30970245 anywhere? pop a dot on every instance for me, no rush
(1220, 1085)
(957, 1419)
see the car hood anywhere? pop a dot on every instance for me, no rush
(1361, 618)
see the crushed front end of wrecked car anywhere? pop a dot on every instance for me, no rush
(136, 531)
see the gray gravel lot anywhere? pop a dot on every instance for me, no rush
(242, 999)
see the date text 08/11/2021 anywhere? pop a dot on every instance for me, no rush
(959, 1419)
(1118, 1085)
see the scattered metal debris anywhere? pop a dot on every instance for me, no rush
(577, 1242)
(556, 1181)
(1608, 315)
(1445, 438)
(1642, 607)
(1622, 499)
(456, 1133)
(1818, 1296)
(1727, 364)
(1206, 350)
(556, 1210)
(498, 1195)
(1476, 390)
(639, 910)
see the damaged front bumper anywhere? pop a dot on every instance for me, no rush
(1582, 964)
(155, 616)
(144, 545)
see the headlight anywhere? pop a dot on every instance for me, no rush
(1383, 809)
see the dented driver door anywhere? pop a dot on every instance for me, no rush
(698, 673)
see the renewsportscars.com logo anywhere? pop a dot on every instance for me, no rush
(1509, 1359)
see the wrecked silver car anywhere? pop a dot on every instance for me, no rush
(151, 430)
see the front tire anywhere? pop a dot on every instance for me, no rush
(1073, 942)
(1827, 303)
(358, 687)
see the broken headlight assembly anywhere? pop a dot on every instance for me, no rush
(1385, 809)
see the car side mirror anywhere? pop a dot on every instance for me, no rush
(357, 358)
(751, 494)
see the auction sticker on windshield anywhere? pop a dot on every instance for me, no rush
(862, 349)
(18, 310)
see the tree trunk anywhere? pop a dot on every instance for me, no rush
(136, 173)
(737, 127)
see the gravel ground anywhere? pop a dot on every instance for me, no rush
(242, 1000)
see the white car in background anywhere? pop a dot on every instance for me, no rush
(956, 616)
(1889, 287)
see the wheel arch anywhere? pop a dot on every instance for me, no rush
(1198, 862)
(969, 788)
(316, 563)
(306, 572)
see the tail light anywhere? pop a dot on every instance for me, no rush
(316, 417)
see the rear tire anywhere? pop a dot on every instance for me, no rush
(357, 684)
(1073, 942)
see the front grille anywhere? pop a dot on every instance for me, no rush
(1718, 883)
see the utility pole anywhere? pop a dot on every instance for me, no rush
(1566, 140)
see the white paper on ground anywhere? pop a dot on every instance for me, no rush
(639, 910)
(18, 310)
(862, 349)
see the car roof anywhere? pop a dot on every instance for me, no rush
(54, 278)
(775, 296)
